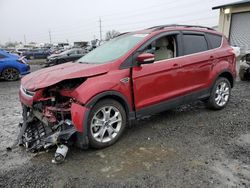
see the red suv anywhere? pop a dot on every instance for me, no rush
(91, 101)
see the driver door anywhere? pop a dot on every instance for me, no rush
(160, 81)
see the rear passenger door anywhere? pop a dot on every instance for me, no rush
(196, 61)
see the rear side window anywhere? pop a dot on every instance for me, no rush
(194, 44)
(215, 40)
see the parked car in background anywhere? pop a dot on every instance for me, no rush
(66, 56)
(127, 78)
(36, 54)
(12, 66)
(9, 50)
(20, 51)
(56, 50)
(244, 71)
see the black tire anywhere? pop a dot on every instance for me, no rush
(10, 74)
(213, 102)
(96, 110)
(61, 61)
(242, 75)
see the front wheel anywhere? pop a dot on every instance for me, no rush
(106, 123)
(10, 74)
(220, 94)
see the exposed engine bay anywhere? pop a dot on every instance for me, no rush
(48, 122)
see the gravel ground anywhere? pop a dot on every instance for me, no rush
(190, 146)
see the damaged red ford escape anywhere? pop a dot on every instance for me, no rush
(89, 102)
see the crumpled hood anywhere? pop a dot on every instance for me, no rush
(52, 75)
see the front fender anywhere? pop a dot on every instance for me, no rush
(79, 116)
(108, 82)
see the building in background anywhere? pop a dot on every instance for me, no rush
(234, 22)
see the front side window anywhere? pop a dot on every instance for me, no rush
(194, 44)
(112, 49)
(163, 48)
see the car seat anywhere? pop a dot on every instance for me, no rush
(162, 52)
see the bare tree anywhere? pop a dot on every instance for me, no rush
(111, 34)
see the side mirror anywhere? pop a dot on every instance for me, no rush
(145, 58)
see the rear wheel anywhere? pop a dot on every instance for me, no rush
(106, 123)
(10, 74)
(220, 94)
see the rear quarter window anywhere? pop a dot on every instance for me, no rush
(215, 40)
(194, 43)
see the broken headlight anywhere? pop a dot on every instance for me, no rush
(27, 92)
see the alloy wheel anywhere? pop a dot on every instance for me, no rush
(222, 93)
(10, 74)
(106, 124)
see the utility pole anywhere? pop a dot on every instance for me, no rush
(100, 21)
(24, 39)
(49, 36)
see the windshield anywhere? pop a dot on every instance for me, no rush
(112, 49)
(67, 52)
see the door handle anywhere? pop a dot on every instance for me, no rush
(176, 65)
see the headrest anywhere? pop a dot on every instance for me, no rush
(163, 42)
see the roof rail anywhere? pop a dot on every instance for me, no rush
(120, 34)
(160, 27)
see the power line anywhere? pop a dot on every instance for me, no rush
(145, 8)
(154, 19)
(150, 11)
(86, 28)
(126, 28)
(181, 22)
(86, 25)
(123, 24)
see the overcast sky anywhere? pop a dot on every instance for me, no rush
(78, 20)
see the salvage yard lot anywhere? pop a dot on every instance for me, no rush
(190, 146)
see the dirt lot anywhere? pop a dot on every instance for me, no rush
(190, 146)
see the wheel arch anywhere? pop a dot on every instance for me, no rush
(82, 138)
(113, 95)
(226, 74)
(7, 67)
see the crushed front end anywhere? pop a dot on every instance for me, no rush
(47, 116)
